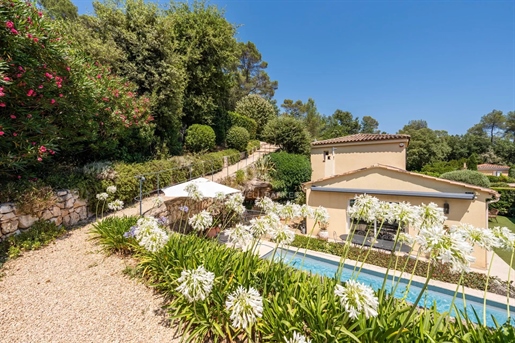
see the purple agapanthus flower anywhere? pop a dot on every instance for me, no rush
(184, 208)
(131, 233)
(162, 221)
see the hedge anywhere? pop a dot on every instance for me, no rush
(506, 205)
(250, 124)
(200, 138)
(467, 176)
(253, 146)
(238, 138)
(290, 171)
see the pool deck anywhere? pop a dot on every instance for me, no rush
(266, 247)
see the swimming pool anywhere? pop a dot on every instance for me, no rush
(441, 296)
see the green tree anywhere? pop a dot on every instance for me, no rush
(313, 119)
(341, 123)
(60, 9)
(426, 145)
(250, 75)
(493, 122)
(369, 125)
(293, 109)
(289, 134)
(510, 124)
(257, 108)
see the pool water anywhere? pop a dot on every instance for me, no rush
(441, 296)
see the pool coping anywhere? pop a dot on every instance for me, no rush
(266, 247)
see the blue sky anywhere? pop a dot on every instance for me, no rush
(446, 62)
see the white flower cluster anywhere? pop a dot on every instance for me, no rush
(102, 196)
(195, 284)
(245, 307)
(201, 221)
(235, 203)
(291, 211)
(115, 205)
(149, 235)
(240, 235)
(158, 201)
(357, 298)
(282, 234)
(505, 236)
(321, 215)
(194, 192)
(111, 189)
(297, 338)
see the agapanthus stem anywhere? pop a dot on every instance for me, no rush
(369, 250)
(456, 293)
(509, 286)
(430, 270)
(411, 277)
(382, 290)
(486, 288)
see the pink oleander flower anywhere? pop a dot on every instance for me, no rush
(36, 39)
(30, 92)
(49, 75)
(29, 115)
(2, 104)
(40, 14)
(2, 133)
(40, 159)
(14, 31)
(13, 116)
(9, 24)
(6, 78)
(42, 149)
(15, 134)
(52, 101)
(40, 86)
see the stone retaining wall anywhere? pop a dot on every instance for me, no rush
(68, 210)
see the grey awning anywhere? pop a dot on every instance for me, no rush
(464, 196)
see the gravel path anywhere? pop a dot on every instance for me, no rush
(71, 292)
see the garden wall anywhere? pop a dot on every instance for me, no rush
(68, 210)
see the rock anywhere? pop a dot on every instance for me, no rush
(69, 203)
(64, 212)
(46, 215)
(60, 204)
(79, 203)
(6, 208)
(83, 213)
(56, 211)
(74, 218)
(26, 221)
(57, 220)
(62, 193)
(66, 220)
(7, 216)
(9, 227)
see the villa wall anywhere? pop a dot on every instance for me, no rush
(68, 210)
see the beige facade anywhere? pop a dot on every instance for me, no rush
(334, 158)
(360, 172)
(493, 169)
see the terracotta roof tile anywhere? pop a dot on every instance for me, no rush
(488, 166)
(361, 137)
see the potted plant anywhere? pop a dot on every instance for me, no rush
(323, 234)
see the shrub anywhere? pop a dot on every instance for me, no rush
(250, 124)
(200, 138)
(255, 107)
(467, 176)
(290, 171)
(289, 134)
(110, 234)
(253, 146)
(506, 204)
(238, 138)
(54, 104)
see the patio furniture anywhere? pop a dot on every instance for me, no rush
(380, 244)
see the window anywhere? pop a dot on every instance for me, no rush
(326, 156)
(388, 231)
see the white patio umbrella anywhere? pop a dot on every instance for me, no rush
(208, 188)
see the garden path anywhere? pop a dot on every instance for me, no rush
(70, 291)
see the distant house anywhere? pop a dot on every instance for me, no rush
(375, 164)
(493, 169)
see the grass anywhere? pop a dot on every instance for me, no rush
(510, 224)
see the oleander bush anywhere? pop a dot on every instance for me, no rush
(237, 138)
(200, 138)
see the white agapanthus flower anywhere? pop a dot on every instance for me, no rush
(505, 236)
(102, 196)
(282, 234)
(240, 235)
(357, 298)
(201, 221)
(235, 203)
(265, 204)
(111, 189)
(290, 211)
(430, 215)
(321, 216)
(447, 247)
(484, 238)
(220, 196)
(406, 238)
(307, 212)
(276, 208)
(385, 212)
(259, 226)
(149, 235)
(297, 338)
(194, 192)
(245, 306)
(195, 284)
(115, 205)
(365, 208)
(404, 213)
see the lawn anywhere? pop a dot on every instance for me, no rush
(510, 224)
